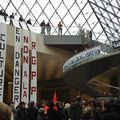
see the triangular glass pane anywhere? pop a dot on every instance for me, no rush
(81, 3)
(23, 9)
(117, 26)
(37, 10)
(55, 3)
(68, 18)
(92, 20)
(17, 3)
(118, 14)
(113, 2)
(10, 9)
(49, 10)
(55, 20)
(30, 3)
(97, 29)
(80, 20)
(62, 10)
(74, 10)
(102, 38)
(43, 3)
(3, 4)
(116, 10)
(74, 29)
(87, 27)
(86, 12)
(110, 9)
(69, 3)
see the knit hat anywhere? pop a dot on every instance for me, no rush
(67, 105)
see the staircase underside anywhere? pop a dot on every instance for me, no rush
(79, 76)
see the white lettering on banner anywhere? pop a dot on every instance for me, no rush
(17, 67)
(25, 70)
(82, 57)
(33, 89)
(3, 39)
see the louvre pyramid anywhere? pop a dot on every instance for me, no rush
(102, 17)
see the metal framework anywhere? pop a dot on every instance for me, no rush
(108, 15)
(102, 17)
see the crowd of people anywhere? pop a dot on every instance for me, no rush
(78, 110)
(3, 13)
(12, 16)
(45, 28)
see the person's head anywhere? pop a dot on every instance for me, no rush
(1, 10)
(22, 105)
(32, 104)
(51, 104)
(78, 99)
(67, 105)
(41, 110)
(5, 112)
(60, 22)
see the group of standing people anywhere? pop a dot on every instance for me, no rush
(12, 16)
(3, 13)
(47, 27)
(23, 20)
(78, 110)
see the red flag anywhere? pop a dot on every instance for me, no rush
(55, 98)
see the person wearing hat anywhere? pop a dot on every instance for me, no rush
(66, 112)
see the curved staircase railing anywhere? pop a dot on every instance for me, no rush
(77, 72)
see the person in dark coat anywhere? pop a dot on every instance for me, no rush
(5, 15)
(1, 12)
(109, 114)
(76, 109)
(116, 105)
(21, 113)
(52, 114)
(11, 17)
(42, 27)
(21, 18)
(60, 28)
(32, 111)
(48, 28)
(66, 112)
(41, 114)
(29, 22)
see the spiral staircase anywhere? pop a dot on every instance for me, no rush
(79, 75)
